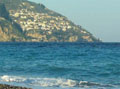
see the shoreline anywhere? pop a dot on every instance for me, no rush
(6, 86)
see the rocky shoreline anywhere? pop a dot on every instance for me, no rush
(5, 86)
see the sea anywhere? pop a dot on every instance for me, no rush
(60, 65)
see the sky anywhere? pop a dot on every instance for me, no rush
(100, 17)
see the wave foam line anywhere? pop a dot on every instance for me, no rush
(51, 82)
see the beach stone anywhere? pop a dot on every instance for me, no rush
(4, 86)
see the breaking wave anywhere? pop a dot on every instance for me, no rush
(51, 82)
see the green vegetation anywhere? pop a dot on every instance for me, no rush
(3, 12)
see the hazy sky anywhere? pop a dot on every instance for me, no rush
(100, 17)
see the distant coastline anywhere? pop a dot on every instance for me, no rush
(22, 20)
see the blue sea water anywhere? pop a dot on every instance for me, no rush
(61, 65)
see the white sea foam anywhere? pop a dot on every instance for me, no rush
(12, 78)
(49, 82)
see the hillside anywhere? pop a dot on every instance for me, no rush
(9, 30)
(38, 23)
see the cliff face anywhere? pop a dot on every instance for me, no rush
(9, 31)
(38, 23)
